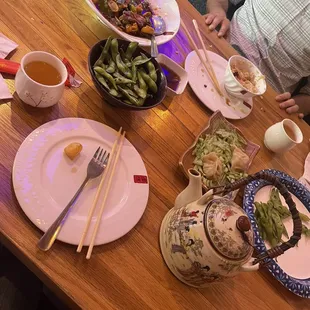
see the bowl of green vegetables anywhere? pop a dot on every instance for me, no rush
(125, 75)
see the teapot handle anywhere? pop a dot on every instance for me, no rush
(297, 224)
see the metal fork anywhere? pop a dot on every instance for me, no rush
(95, 168)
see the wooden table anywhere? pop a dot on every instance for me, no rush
(129, 273)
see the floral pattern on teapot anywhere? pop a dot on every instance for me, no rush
(188, 255)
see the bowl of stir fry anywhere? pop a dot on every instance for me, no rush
(131, 19)
(125, 75)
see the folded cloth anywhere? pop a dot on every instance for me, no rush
(4, 90)
(305, 179)
(6, 46)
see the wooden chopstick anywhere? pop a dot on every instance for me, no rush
(214, 81)
(93, 207)
(90, 249)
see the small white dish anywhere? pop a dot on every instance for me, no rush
(202, 86)
(234, 87)
(178, 70)
(34, 93)
(45, 180)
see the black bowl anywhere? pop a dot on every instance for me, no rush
(94, 54)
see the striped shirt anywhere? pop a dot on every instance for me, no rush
(275, 35)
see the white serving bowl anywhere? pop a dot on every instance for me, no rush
(174, 67)
(233, 86)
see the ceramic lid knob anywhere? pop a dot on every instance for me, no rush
(243, 223)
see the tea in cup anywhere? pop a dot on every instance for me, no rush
(282, 136)
(40, 80)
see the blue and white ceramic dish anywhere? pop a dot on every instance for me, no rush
(291, 263)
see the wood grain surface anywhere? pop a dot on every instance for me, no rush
(129, 273)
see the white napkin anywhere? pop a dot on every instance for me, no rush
(6, 47)
(305, 179)
(4, 90)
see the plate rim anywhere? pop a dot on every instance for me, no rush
(129, 37)
(300, 287)
(186, 64)
(79, 120)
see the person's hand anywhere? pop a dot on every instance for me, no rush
(287, 103)
(215, 18)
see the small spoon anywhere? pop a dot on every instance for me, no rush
(159, 26)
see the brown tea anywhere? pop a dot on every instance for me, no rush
(173, 79)
(43, 73)
(290, 132)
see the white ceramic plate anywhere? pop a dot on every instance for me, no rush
(45, 180)
(167, 9)
(202, 86)
(291, 268)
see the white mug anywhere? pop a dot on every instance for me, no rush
(282, 136)
(34, 93)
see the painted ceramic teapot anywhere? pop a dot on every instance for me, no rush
(207, 238)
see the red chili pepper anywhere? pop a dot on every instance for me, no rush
(8, 66)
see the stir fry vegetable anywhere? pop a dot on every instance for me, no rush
(269, 217)
(125, 77)
(213, 157)
(130, 16)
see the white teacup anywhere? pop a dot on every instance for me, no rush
(34, 93)
(282, 136)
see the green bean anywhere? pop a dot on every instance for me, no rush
(126, 94)
(152, 85)
(140, 62)
(151, 68)
(131, 49)
(104, 53)
(101, 79)
(141, 92)
(124, 58)
(304, 217)
(106, 75)
(130, 92)
(115, 93)
(112, 66)
(122, 67)
(114, 49)
(137, 58)
(142, 84)
(285, 232)
(119, 79)
(278, 225)
(127, 101)
(134, 72)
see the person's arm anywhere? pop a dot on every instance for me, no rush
(217, 15)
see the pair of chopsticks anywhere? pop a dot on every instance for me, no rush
(206, 62)
(109, 171)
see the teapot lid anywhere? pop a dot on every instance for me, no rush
(228, 229)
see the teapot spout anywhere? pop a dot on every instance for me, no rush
(192, 192)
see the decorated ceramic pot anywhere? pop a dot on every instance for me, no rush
(209, 238)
